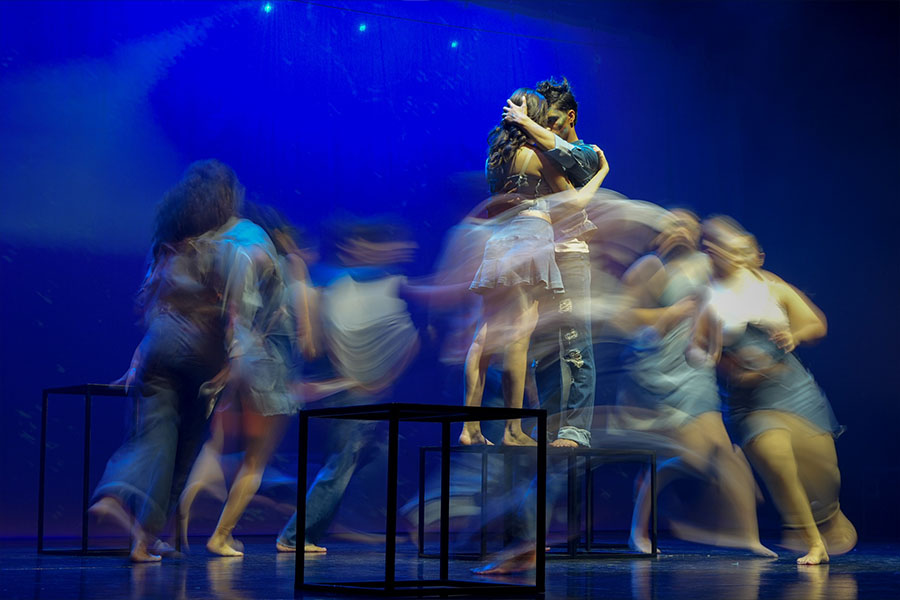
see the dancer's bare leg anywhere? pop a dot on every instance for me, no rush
(476, 366)
(821, 479)
(515, 367)
(207, 473)
(262, 434)
(772, 455)
(708, 453)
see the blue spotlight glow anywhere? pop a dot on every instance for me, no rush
(362, 26)
(454, 44)
(267, 7)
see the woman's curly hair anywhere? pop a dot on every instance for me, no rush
(205, 198)
(505, 139)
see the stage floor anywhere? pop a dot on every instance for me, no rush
(683, 571)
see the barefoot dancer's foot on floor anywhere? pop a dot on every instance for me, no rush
(218, 544)
(760, 550)
(311, 548)
(140, 554)
(641, 543)
(514, 563)
(816, 556)
(110, 508)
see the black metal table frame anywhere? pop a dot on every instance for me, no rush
(394, 413)
(88, 390)
(573, 515)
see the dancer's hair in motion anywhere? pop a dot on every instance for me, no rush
(559, 95)
(208, 194)
(505, 139)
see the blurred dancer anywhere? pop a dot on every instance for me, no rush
(518, 264)
(183, 348)
(785, 423)
(578, 162)
(370, 339)
(262, 357)
(670, 385)
(235, 416)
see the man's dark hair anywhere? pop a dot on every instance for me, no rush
(559, 95)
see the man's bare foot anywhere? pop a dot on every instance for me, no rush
(140, 554)
(473, 437)
(564, 443)
(816, 556)
(284, 547)
(307, 547)
(519, 438)
(218, 544)
(514, 563)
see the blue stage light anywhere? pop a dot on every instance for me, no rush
(267, 7)
(362, 26)
(454, 44)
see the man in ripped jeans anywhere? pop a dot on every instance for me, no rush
(568, 389)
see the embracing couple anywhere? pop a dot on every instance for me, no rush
(538, 258)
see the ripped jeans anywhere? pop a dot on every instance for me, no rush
(568, 389)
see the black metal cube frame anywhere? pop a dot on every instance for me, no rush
(88, 391)
(574, 548)
(395, 413)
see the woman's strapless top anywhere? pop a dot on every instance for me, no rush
(748, 302)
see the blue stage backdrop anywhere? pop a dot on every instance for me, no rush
(782, 114)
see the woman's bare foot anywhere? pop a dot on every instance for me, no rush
(284, 547)
(307, 547)
(816, 556)
(472, 436)
(564, 443)
(218, 544)
(140, 553)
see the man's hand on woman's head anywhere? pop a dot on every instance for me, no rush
(517, 114)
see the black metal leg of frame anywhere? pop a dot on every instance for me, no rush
(87, 473)
(421, 524)
(484, 486)
(572, 519)
(445, 501)
(43, 474)
(541, 537)
(507, 485)
(390, 547)
(588, 504)
(653, 531)
(299, 542)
